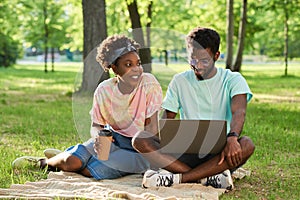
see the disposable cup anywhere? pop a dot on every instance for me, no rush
(105, 139)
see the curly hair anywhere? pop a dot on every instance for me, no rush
(204, 38)
(112, 48)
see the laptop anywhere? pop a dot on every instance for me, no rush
(200, 137)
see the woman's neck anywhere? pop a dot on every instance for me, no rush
(124, 88)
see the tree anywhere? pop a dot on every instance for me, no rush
(9, 33)
(57, 33)
(46, 32)
(148, 30)
(74, 28)
(44, 25)
(288, 6)
(242, 31)
(138, 33)
(95, 31)
(241, 36)
(229, 35)
(284, 29)
(9, 50)
(286, 36)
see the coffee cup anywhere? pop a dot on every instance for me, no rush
(104, 139)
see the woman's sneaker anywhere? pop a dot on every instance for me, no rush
(161, 178)
(222, 180)
(27, 162)
(49, 153)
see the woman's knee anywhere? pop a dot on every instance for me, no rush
(139, 142)
(73, 163)
(144, 142)
(70, 163)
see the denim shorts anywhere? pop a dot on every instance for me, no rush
(123, 159)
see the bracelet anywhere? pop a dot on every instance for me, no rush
(233, 134)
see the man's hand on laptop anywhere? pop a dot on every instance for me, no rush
(232, 153)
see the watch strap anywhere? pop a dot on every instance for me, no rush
(233, 134)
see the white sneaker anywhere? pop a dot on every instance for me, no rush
(27, 162)
(222, 180)
(161, 178)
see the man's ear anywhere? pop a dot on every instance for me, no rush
(216, 56)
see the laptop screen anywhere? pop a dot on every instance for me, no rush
(192, 136)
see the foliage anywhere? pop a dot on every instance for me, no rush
(271, 16)
(45, 17)
(10, 20)
(9, 50)
(264, 36)
(74, 26)
(9, 33)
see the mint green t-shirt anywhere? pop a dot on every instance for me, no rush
(208, 99)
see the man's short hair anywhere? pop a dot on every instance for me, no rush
(203, 38)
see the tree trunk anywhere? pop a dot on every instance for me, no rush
(286, 38)
(148, 32)
(148, 25)
(138, 35)
(46, 35)
(241, 38)
(229, 36)
(166, 57)
(52, 58)
(95, 31)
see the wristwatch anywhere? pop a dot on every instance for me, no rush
(233, 134)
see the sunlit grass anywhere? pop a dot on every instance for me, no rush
(36, 113)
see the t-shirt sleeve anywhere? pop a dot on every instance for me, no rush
(171, 100)
(238, 85)
(154, 96)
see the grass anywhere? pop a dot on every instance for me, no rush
(36, 113)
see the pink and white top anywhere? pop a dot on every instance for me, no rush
(126, 113)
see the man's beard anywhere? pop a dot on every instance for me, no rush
(199, 77)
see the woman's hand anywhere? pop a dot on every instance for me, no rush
(97, 145)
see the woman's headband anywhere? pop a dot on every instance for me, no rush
(119, 52)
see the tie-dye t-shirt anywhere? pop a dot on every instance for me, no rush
(126, 113)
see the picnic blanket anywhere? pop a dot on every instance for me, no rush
(67, 185)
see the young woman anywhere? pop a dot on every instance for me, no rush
(128, 103)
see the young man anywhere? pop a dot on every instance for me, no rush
(204, 92)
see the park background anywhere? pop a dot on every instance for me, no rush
(44, 45)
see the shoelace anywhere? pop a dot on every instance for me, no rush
(165, 180)
(214, 181)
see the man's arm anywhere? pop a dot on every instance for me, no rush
(232, 151)
(238, 110)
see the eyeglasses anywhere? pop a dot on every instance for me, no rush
(195, 62)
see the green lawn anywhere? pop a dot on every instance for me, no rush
(36, 113)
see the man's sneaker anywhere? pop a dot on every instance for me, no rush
(49, 153)
(222, 180)
(27, 162)
(161, 178)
